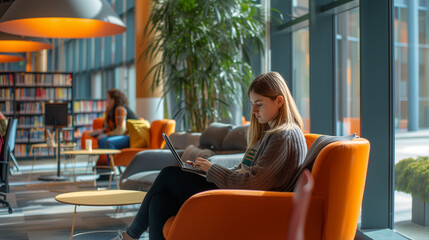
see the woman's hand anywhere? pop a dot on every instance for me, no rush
(101, 136)
(202, 163)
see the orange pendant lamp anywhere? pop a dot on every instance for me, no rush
(6, 58)
(14, 43)
(61, 19)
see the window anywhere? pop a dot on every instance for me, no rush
(411, 99)
(348, 72)
(301, 77)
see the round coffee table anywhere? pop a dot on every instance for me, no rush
(95, 152)
(100, 198)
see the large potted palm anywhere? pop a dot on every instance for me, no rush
(204, 47)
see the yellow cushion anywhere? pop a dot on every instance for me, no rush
(139, 131)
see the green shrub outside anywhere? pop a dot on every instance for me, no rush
(412, 176)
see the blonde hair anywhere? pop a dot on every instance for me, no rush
(272, 85)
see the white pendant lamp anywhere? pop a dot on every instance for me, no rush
(61, 19)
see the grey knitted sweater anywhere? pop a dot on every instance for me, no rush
(274, 165)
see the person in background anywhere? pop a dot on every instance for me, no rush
(3, 124)
(276, 147)
(113, 135)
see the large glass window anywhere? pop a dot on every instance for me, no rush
(299, 7)
(348, 72)
(411, 59)
(301, 78)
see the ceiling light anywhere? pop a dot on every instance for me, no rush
(5, 58)
(61, 19)
(13, 43)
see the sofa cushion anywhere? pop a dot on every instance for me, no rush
(212, 137)
(192, 152)
(141, 181)
(236, 139)
(181, 140)
(139, 131)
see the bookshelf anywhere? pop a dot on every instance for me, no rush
(23, 95)
(85, 111)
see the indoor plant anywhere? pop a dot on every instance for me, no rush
(412, 176)
(204, 46)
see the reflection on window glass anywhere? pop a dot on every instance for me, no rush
(300, 7)
(301, 79)
(411, 68)
(348, 73)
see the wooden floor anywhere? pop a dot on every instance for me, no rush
(37, 215)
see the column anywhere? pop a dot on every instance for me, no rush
(149, 103)
(41, 61)
(28, 62)
(377, 111)
(322, 92)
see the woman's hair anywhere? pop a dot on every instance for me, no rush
(272, 85)
(119, 97)
(120, 100)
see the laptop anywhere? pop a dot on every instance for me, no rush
(183, 165)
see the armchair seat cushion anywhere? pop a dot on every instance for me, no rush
(141, 181)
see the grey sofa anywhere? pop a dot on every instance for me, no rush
(226, 142)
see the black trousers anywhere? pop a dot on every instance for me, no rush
(170, 190)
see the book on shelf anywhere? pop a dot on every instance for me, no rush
(23, 95)
(44, 79)
(7, 79)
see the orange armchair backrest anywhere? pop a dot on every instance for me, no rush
(97, 123)
(339, 178)
(158, 127)
(310, 138)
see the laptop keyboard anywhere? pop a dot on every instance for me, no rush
(189, 166)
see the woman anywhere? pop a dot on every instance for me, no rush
(3, 124)
(276, 146)
(113, 134)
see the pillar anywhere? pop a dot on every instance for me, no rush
(28, 62)
(41, 61)
(149, 104)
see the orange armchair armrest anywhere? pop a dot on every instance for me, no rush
(126, 155)
(229, 214)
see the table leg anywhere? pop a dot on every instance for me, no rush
(74, 216)
(112, 162)
(94, 170)
(32, 166)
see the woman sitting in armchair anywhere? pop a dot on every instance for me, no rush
(113, 135)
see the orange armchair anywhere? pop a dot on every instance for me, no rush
(157, 127)
(96, 124)
(339, 173)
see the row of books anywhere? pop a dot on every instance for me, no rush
(23, 150)
(6, 79)
(39, 94)
(43, 79)
(30, 108)
(34, 135)
(31, 122)
(6, 94)
(86, 119)
(6, 107)
(88, 106)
